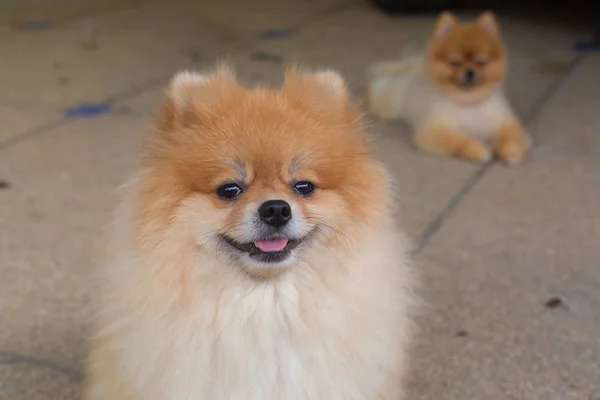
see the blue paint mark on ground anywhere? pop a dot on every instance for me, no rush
(34, 25)
(87, 110)
(587, 45)
(276, 33)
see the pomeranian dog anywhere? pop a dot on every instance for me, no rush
(256, 255)
(452, 95)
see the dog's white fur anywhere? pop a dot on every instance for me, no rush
(332, 328)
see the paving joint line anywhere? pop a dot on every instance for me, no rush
(155, 82)
(32, 133)
(8, 357)
(433, 227)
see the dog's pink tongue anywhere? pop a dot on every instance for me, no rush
(272, 245)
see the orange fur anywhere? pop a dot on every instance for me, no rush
(455, 47)
(185, 316)
(282, 123)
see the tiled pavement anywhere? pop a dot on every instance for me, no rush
(510, 256)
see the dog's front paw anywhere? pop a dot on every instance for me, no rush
(474, 151)
(512, 153)
(511, 144)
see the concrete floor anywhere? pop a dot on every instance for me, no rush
(510, 257)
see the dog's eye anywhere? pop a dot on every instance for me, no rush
(480, 61)
(455, 62)
(304, 188)
(229, 191)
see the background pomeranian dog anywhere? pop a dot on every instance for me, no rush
(257, 256)
(453, 95)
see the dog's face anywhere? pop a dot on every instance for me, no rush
(261, 179)
(466, 60)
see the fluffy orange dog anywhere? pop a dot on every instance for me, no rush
(453, 94)
(257, 256)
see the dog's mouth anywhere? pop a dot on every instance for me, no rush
(466, 85)
(267, 250)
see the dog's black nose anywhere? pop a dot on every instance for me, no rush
(469, 76)
(276, 213)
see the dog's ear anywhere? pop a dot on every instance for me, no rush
(444, 25)
(325, 85)
(488, 22)
(323, 92)
(184, 86)
(325, 88)
(178, 100)
(330, 83)
(191, 95)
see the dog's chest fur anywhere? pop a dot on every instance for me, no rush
(287, 341)
(479, 120)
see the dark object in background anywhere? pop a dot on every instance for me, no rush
(587, 45)
(266, 57)
(415, 6)
(462, 333)
(555, 302)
